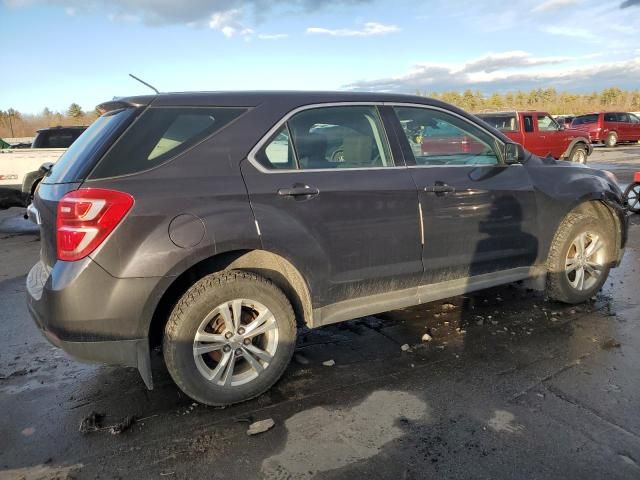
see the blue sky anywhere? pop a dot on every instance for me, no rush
(62, 51)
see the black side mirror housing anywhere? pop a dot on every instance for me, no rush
(513, 153)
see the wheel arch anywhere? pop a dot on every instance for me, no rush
(604, 208)
(267, 264)
(575, 142)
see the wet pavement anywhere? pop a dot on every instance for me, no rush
(511, 386)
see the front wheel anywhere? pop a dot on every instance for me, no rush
(229, 338)
(578, 154)
(580, 258)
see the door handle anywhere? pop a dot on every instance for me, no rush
(299, 191)
(440, 189)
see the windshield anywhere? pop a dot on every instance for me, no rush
(85, 151)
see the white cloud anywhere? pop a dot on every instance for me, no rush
(553, 5)
(509, 76)
(569, 31)
(272, 36)
(369, 29)
(230, 24)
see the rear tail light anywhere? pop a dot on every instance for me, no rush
(85, 218)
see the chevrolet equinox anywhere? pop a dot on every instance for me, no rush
(216, 224)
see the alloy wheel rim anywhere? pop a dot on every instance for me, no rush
(633, 197)
(585, 261)
(235, 342)
(580, 156)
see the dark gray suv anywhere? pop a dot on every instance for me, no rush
(216, 224)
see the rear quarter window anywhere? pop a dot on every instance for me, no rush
(160, 134)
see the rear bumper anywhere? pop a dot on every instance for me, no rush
(91, 315)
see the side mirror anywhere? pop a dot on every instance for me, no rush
(561, 126)
(513, 153)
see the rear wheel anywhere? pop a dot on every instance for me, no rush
(580, 258)
(579, 154)
(632, 197)
(612, 140)
(229, 338)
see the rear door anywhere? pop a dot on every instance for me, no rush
(348, 221)
(479, 215)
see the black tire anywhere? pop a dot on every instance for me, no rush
(612, 140)
(187, 317)
(579, 154)
(559, 286)
(632, 197)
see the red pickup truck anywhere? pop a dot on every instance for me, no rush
(539, 133)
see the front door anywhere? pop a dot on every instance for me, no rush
(555, 141)
(328, 195)
(479, 215)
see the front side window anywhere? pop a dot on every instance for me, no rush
(547, 124)
(438, 138)
(624, 117)
(633, 118)
(160, 134)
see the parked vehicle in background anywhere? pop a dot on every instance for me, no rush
(539, 133)
(609, 128)
(57, 137)
(20, 168)
(215, 224)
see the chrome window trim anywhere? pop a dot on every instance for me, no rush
(252, 153)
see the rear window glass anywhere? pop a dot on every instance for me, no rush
(583, 119)
(75, 162)
(62, 138)
(160, 134)
(503, 122)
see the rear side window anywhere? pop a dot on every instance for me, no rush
(329, 137)
(278, 153)
(160, 134)
(610, 117)
(528, 123)
(503, 122)
(585, 119)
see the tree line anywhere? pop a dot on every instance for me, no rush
(546, 99)
(16, 124)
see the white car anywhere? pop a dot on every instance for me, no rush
(20, 168)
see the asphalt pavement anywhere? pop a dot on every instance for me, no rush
(511, 386)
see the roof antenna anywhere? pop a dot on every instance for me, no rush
(144, 83)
